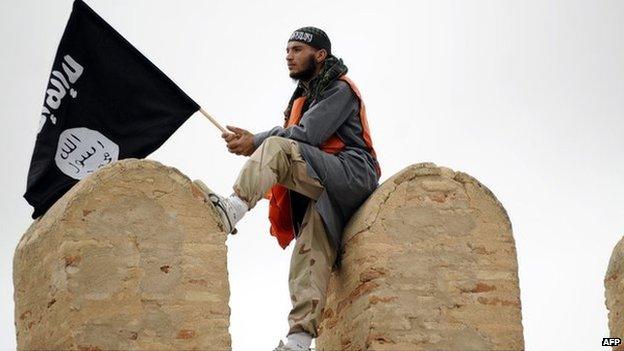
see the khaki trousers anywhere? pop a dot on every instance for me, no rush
(278, 161)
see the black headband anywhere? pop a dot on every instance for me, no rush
(312, 36)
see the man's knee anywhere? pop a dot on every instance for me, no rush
(277, 142)
(274, 145)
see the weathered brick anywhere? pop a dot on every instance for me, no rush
(131, 257)
(429, 264)
(614, 293)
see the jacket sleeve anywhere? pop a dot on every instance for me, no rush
(321, 120)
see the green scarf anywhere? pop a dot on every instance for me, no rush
(333, 69)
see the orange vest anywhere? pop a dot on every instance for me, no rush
(280, 213)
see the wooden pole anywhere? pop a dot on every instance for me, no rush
(203, 112)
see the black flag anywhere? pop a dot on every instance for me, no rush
(105, 101)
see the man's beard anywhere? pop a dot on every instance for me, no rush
(307, 73)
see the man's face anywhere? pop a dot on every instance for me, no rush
(300, 60)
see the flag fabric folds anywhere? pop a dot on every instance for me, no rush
(104, 101)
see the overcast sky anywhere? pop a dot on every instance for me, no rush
(526, 96)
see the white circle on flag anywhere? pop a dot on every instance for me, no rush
(81, 151)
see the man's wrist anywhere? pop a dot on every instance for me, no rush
(258, 138)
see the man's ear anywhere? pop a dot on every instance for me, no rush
(320, 55)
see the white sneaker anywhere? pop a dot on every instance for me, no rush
(230, 214)
(283, 347)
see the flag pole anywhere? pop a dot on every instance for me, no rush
(203, 112)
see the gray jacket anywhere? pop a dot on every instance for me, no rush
(349, 177)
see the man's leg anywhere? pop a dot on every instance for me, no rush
(310, 268)
(276, 160)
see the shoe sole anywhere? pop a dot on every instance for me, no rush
(207, 193)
